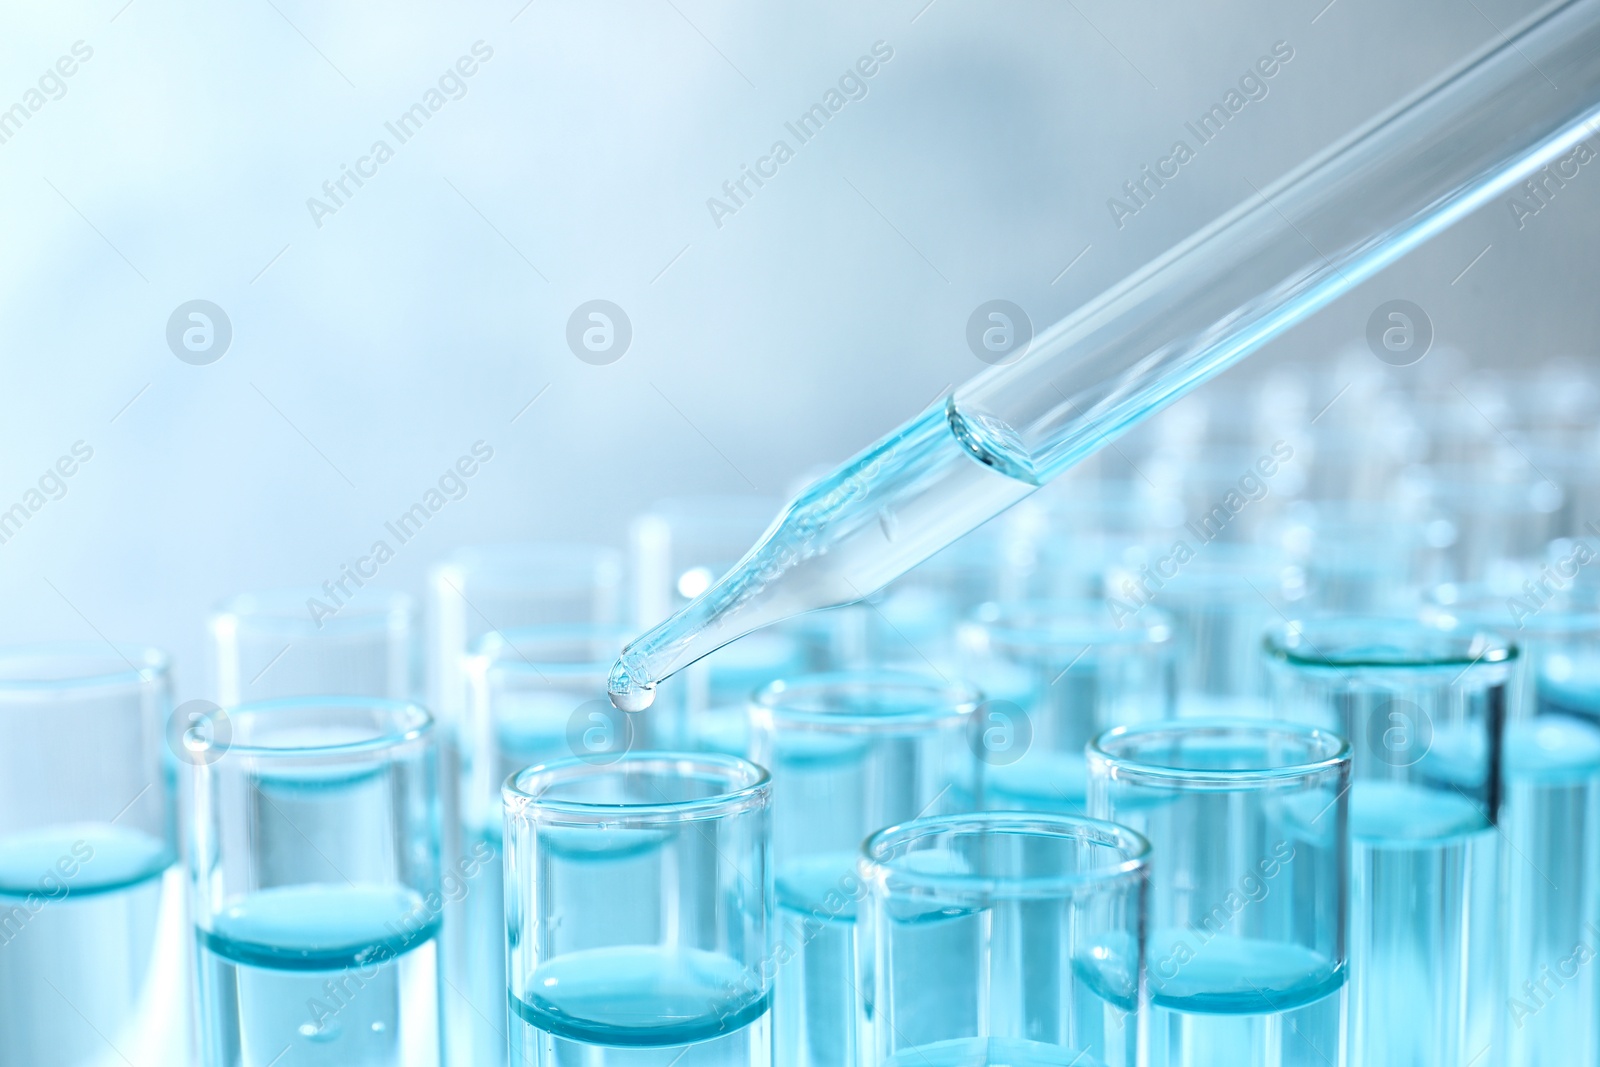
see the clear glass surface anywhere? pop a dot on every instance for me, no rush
(1250, 846)
(1002, 939)
(639, 912)
(313, 855)
(93, 966)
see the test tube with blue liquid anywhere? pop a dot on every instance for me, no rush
(1425, 708)
(850, 752)
(93, 968)
(313, 854)
(1055, 675)
(1550, 817)
(479, 590)
(1003, 939)
(667, 960)
(1247, 822)
(534, 695)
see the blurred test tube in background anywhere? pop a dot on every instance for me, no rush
(93, 954)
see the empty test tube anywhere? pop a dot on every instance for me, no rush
(1055, 675)
(1248, 885)
(1424, 708)
(302, 642)
(638, 912)
(92, 945)
(850, 753)
(1002, 938)
(313, 852)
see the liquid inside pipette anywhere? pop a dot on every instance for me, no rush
(843, 538)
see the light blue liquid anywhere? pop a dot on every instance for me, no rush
(1423, 927)
(92, 968)
(321, 976)
(1241, 1002)
(641, 1006)
(1551, 890)
(991, 1052)
(814, 993)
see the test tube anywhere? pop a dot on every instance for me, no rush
(1247, 822)
(1424, 708)
(1550, 878)
(92, 957)
(850, 752)
(314, 880)
(684, 843)
(303, 642)
(1221, 598)
(1055, 675)
(535, 694)
(1003, 938)
(478, 590)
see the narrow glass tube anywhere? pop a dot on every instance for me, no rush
(682, 545)
(1247, 821)
(1056, 674)
(850, 753)
(314, 878)
(92, 946)
(534, 695)
(638, 912)
(302, 642)
(999, 939)
(1425, 710)
(1550, 818)
(478, 590)
(484, 588)
(1527, 102)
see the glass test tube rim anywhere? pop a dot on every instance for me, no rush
(411, 724)
(1067, 623)
(1556, 619)
(752, 789)
(1471, 647)
(1132, 866)
(117, 668)
(956, 701)
(1333, 755)
(283, 611)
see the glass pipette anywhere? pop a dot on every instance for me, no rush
(1495, 121)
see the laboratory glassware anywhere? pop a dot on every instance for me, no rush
(1055, 675)
(639, 912)
(1002, 938)
(850, 752)
(93, 961)
(304, 642)
(534, 695)
(1289, 249)
(313, 851)
(1425, 708)
(1247, 823)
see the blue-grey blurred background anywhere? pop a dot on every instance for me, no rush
(377, 336)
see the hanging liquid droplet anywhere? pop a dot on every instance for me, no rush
(632, 697)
